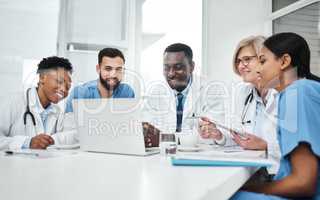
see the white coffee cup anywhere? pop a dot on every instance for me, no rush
(188, 138)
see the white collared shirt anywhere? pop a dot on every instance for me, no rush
(43, 112)
(184, 92)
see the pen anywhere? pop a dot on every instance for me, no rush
(21, 153)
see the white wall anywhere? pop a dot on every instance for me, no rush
(28, 31)
(89, 26)
(29, 28)
(225, 24)
(169, 21)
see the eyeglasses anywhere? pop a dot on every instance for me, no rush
(245, 60)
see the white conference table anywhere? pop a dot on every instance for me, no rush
(106, 176)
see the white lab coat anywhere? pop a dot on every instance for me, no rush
(202, 99)
(268, 131)
(13, 132)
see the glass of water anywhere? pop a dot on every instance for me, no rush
(168, 144)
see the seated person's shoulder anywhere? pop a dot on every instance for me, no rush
(306, 88)
(126, 86)
(244, 87)
(309, 85)
(14, 98)
(126, 90)
(84, 90)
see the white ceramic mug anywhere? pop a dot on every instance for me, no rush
(188, 138)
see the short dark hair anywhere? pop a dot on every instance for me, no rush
(54, 62)
(298, 49)
(111, 53)
(178, 47)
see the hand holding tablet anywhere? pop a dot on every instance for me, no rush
(234, 130)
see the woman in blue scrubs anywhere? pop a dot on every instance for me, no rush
(285, 66)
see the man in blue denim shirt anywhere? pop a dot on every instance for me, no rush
(110, 69)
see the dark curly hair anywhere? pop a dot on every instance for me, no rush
(54, 62)
(177, 47)
(111, 53)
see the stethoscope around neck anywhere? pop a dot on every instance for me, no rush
(247, 102)
(28, 112)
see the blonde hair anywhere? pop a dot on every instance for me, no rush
(255, 41)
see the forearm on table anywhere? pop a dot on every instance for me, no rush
(286, 187)
(302, 181)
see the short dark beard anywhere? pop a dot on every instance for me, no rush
(179, 87)
(107, 86)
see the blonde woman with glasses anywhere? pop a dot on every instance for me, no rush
(254, 109)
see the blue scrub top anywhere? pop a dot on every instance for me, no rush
(90, 90)
(298, 122)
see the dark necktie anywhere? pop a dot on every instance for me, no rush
(179, 112)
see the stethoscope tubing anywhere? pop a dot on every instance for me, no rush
(247, 103)
(28, 112)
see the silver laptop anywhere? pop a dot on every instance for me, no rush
(111, 126)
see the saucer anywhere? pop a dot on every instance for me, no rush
(188, 149)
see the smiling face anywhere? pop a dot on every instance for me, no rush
(270, 68)
(177, 70)
(247, 62)
(54, 85)
(110, 72)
